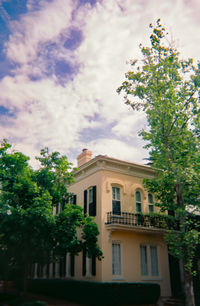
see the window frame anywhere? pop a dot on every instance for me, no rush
(138, 202)
(116, 201)
(150, 204)
(90, 195)
(149, 275)
(90, 201)
(117, 276)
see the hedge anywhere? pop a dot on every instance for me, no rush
(97, 293)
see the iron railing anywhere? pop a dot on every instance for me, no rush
(131, 219)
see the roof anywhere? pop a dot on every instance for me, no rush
(104, 162)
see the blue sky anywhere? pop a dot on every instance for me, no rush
(61, 62)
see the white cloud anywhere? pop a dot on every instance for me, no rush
(129, 124)
(117, 149)
(49, 114)
(37, 27)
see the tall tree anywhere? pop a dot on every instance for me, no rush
(167, 89)
(54, 176)
(31, 229)
(26, 221)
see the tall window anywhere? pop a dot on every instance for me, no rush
(138, 201)
(149, 260)
(150, 202)
(90, 201)
(116, 203)
(154, 260)
(88, 265)
(116, 258)
(144, 264)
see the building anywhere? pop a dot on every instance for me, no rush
(133, 245)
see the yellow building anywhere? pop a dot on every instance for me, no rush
(133, 246)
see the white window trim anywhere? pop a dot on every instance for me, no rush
(120, 196)
(88, 198)
(150, 277)
(118, 276)
(149, 203)
(90, 189)
(141, 202)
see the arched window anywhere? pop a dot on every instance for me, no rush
(138, 201)
(116, 202)
(150, 202)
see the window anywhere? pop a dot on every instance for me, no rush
(138, 207)
(154, 260)
(144, 264)
(88, 265)
(149, 260)
(138, 201)
(72, 199)
(150, 202)
(116, 204)
(116, 259)
(90, 201)
(72, 264)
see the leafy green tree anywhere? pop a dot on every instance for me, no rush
(69, 239)
(167, 89)
(26, 221)
(54, 175)
(30, 229)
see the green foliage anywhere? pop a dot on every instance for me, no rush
(89, 235)
(182, 245)
(26, 220)
(30, 231)
(95, 293)
(54, 175)
(167, 89)
(66, 236)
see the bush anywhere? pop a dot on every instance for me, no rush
(96, 293)
(12, 299)
(34, 303)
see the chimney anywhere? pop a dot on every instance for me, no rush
(84, 157)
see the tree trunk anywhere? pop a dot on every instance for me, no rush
(179, 195)
(188, 289)
(188, 281)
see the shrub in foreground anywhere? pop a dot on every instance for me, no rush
(96, 293)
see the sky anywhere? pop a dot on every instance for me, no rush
(61, 62)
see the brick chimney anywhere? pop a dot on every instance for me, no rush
(84, 157)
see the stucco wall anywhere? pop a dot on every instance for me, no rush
(130, 240)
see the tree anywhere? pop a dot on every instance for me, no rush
(69, 240)
(30, 230)
(167, 89)
(26, 221)
(54, 175)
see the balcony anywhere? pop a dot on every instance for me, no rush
(141, 222)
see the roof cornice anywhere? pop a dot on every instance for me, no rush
(102, 162)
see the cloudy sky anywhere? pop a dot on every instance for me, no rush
(61, 62)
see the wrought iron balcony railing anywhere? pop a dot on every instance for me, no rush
(140, 220)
